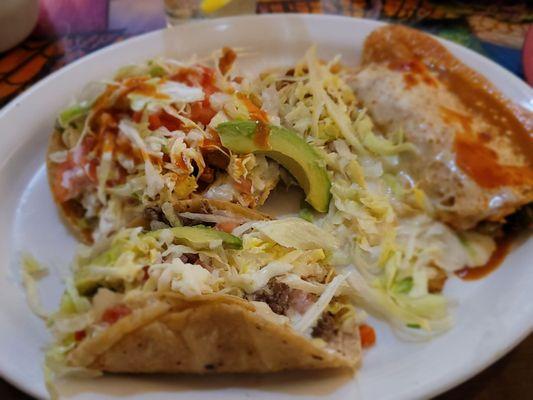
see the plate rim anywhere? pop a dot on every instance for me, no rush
(446, 382)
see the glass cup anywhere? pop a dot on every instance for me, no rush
(179, 11)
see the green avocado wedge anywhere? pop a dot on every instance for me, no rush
(300, 158)
(201, 235)
(101, 271)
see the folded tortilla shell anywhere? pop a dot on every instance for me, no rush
(209, 206)
(213, 333)
(70, 210)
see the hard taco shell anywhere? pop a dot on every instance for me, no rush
(209, 206)
(69, 211)
(213, 333)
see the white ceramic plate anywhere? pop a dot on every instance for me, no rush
(492, 315)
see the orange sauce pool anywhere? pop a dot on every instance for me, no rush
(503, 247)
(479, 162)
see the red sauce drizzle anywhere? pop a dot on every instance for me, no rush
(138, 85)
(415, 72)
(262, 134)
(477, 159)
(226, 61)
(255, 112)
(479, 162)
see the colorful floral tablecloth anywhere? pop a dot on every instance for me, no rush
(69, 29)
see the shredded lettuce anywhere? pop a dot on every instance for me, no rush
(382, 221)
(315, 311)
(32, 272)
(253, 281)
(73, 113)
(297, 233)
(306, 213)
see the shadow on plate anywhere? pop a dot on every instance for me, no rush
(302, 383)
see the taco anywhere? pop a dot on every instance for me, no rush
(147, 139)
(195, 299)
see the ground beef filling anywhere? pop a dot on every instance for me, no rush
(152, 214)
(280, 297)
(192, 258)
(277, 295)
(326, 327)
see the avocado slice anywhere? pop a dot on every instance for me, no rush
(287, 148)
(199, 236)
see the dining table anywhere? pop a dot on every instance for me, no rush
(67, 30)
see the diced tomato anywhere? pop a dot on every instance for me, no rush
(227, 226)
(188, 76)
(164, 119)
(201, 111)
(136, 117)
(79, 170)
(368, 335)
(244, 186)
(154, 122)
(208, 175)
(113, 314)
(198, 76)
(79, 335)
(170, 122)
(208, 81)
(69, 180)
(214, 140)
(203, 77)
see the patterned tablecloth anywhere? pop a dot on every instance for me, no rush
(70, 29)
